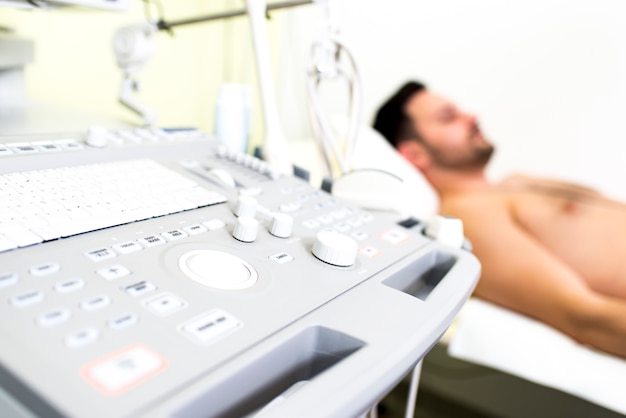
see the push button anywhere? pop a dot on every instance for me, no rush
(394, 236)
(140, 288)
(281, 258)
(44, 269)
(114, 272)
(81, 338)
(96, 303)
(69, 285)
(26, 299)
(152, 240)
(127, 247)
(165, 304)
(123, 321)
(100, 254)
(58, 316)
(210, 326)
(8, 279)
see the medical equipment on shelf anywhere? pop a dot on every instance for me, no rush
(133, 47)
(154, 273)
(331, 59)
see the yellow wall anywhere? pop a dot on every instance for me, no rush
(75, 65)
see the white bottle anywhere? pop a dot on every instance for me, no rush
(233, 116)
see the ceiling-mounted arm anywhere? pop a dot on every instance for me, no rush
(133, 47)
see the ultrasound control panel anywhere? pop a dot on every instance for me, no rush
(205, 284)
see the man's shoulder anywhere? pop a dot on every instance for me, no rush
(470, 200)
(517, 179)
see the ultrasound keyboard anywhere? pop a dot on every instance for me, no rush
(43, 205)
(154, 273)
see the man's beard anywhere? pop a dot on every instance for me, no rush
(475, 158)
(479, 157)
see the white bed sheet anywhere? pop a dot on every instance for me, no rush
(502, 339)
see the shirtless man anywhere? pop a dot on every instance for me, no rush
(548, 249)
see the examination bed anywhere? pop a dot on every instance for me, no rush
(492, 359)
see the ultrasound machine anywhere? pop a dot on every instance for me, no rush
(149, 272)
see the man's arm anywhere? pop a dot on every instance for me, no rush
(520, 274)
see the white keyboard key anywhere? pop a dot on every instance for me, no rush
(165, 304)
(56, 317)
(70, 144)
(44, 269)
(22, 236)
(114, 272)
(141, 288)
(151, 241)
(90, 224)
(8, 279)
(123, 321)
(95, 303)
(7, 214)
(174, 234)
(100, 254)
(214, 224)
(26, 299)
(7, 244)
(5, 151)
(78, 214)
(24, 149)
(81, 338)
(211, 325)
(68, 286)
(195, 229)
(47, 233)
(48, 147)
(7, 226)
(55, 216)
(127, 247)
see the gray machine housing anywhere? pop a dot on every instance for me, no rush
(310, 338)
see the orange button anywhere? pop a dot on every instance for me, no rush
(124, 369)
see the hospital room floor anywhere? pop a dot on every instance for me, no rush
(428, 405)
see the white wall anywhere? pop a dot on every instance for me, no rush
(547, 78)
(75, 67)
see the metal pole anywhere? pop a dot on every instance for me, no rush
(163, 25)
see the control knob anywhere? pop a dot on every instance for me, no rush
(97, 137)
(246, 206)
(282, 225)
(246, 229)
(335, 248)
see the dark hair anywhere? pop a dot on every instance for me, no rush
(391, 121)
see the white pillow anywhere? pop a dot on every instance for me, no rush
(372, 151)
